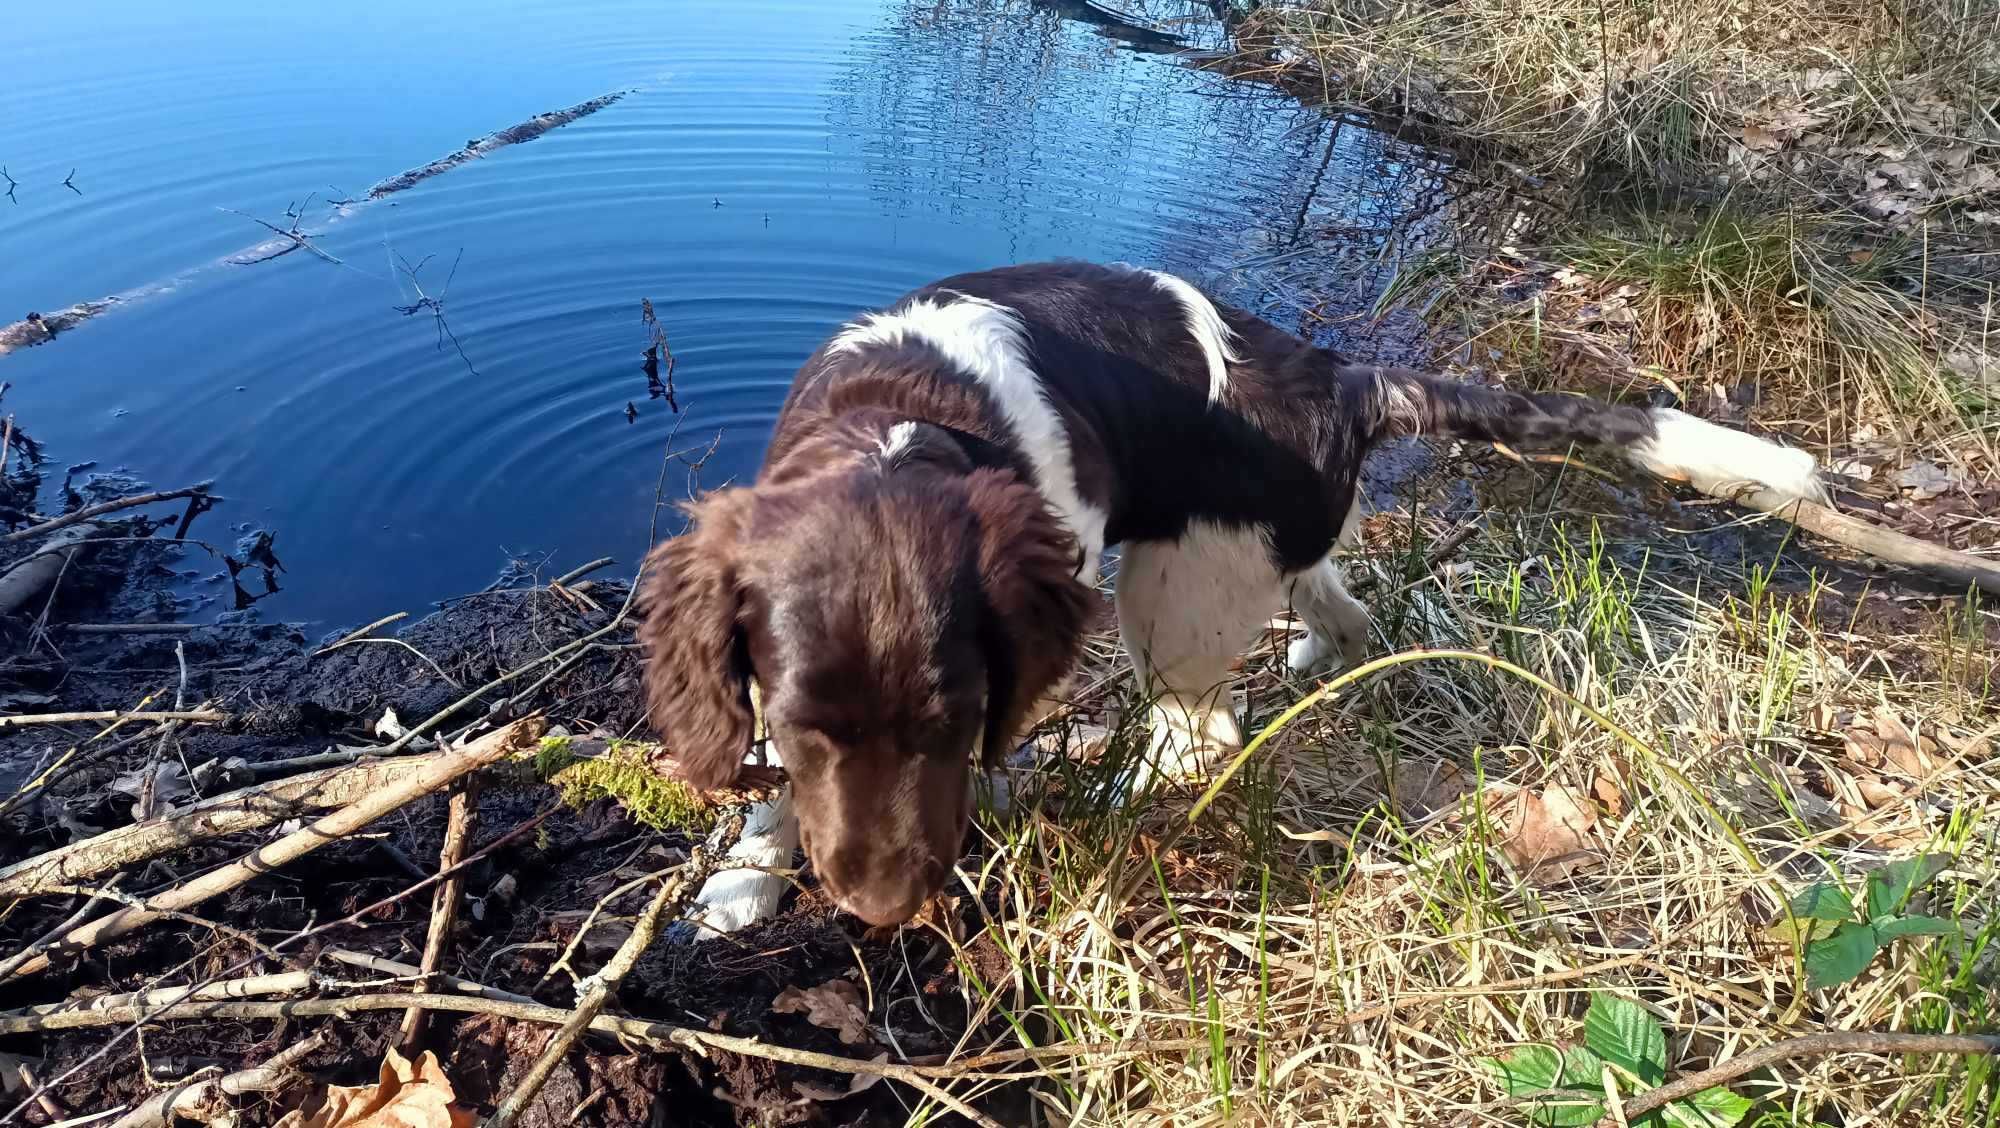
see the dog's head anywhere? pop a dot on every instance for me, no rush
(899, 620)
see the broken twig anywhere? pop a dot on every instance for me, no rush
(460, 824)
(112, 506)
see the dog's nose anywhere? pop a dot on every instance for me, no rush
(882, 908)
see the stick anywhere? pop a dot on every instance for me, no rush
(48, 939)
(666, 905)
(251, 808)
(113, 506)
(1810, 1045)
(207, 1100)
(412, 973)
(249, 987)
(654, 1033)
(330, 828)
(458, 830)
(1874, 540)
(583, 570)
(356, 636)
(129, 628)
(198, 716)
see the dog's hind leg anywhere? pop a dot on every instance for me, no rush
(1185, 610)
(1337, 625)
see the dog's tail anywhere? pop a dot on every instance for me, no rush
(1665, 442)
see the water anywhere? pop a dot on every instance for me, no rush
(779, 166)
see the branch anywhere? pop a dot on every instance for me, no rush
(250, 808)
(667, 905)
(199, 716)
(1876, 541)
(459, 827)
(113, 506)
(331, 828)
(1810, 1045)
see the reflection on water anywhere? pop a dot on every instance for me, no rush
(475, 378)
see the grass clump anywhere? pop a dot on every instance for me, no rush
(622, 773)
(1448, 865)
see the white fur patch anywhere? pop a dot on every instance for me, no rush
(1716, 459)
(1210, 332)
(1401, 402)
(898, 439)
(988, 341)
(737, 898)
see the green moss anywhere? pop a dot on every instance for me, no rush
(622, 774)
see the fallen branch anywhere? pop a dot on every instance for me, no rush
(666, 906)
(112, 717)
(100, 509)
(129, 628)
(413, 974)
(1810, 1045)
(249, 987)
(513, 135)
(1873, 540)
(251, 808)
(330, 828)
(41, 569)
(207, 1101)
(358, 635)
(459, 826)
(660, 1034)
(48, 939)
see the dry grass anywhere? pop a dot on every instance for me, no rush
(1801, 198)
(1366, 912)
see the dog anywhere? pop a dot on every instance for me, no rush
(910, 577)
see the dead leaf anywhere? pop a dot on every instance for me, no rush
(389, 725)
(1924, 480)
(1759, 139)
(834, 1005)
(1545, 835)
(153, 788)
(1875, 793)
(1609, 794)
(404, 1096)
(862, 1082)
(1420, 792)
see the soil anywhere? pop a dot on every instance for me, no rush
(524, 903)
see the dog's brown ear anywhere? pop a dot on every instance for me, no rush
(1037, 610)
(697, 673)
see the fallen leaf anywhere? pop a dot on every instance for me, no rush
(153, 788)
(1924, 480)
(1545, 835)
(389, 725)
(834, 1005)
(862, 1082)
(1756, 137)
(405, 1095)
(1609, 794)
(1901, 747)
(1422, 792)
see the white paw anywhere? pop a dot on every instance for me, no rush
(736, 898)
(1308, 653)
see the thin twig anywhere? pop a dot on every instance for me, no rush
(98, 510)
(583, 570)
(205, 1099)
(460, 825)
(194, 716)
(667, 905)
(1809, 1045)
(48, 939)
(358, 635)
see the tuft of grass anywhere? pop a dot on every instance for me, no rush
(1350, 931)
(623, 774)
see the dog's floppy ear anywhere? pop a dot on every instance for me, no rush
(1036, 608)
(697, 672)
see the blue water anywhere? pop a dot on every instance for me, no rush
(779, 166)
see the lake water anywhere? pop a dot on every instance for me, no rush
(777, 167)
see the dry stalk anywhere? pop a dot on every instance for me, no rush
(1809, 1045)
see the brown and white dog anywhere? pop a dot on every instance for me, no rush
(913, 571)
